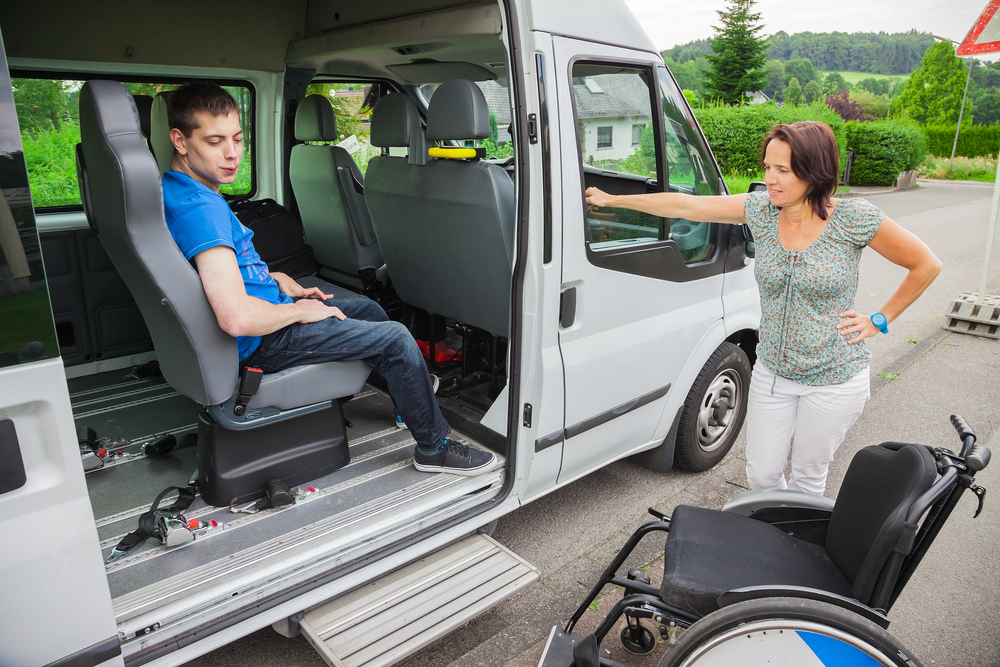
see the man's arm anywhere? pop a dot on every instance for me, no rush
(240, 314)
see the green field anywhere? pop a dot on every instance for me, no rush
(853, 77)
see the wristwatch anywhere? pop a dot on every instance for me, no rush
(878, 319)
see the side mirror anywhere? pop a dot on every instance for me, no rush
(748, 245)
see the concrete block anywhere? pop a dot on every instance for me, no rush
(965, 316)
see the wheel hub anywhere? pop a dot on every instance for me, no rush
(723, 396)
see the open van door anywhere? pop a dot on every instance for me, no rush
(641, 295)
(56, 606)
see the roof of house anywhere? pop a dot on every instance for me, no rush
(611, 96)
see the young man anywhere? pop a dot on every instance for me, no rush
(278, 323)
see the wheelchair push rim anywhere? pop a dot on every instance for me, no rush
(790, 631)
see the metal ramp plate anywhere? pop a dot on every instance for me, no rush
(387, 620)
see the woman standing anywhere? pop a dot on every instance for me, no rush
(811, 379)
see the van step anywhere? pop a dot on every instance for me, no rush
(397, 615)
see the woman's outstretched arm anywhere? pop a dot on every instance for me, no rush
(728, 209)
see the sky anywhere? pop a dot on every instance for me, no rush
(669, 26)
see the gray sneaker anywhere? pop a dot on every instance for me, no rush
(456, 458)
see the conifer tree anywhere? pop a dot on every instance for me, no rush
(739, 53)
(793, 93)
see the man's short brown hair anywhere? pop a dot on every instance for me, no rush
(191, 98)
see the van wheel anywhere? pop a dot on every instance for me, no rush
(714, 410)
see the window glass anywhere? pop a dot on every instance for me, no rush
(690, 170)
(26, 329)
(623, 161)
(48, 114)
(499, 145)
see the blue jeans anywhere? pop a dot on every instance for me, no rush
(368, 335)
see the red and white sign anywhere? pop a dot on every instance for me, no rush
(985, 34)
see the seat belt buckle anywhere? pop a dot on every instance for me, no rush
(172, 529)
(249, 384)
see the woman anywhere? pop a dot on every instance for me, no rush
(811, 379)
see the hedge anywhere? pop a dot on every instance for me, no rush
(883, 149)
(973, 140)
(736, 133)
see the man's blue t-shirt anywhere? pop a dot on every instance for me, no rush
(199, 219)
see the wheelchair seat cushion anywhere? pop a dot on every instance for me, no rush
(710, 552)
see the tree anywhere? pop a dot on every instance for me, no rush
(346, 109)
(834, 83)
(802, 69)
(43, 104)
(739, 53)
(986, 109)
(812, 91)
(777, 80)
(874, 86)
(845, 107)
(934, 91)
(793, 93)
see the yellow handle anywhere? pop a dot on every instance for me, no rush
(453, 153)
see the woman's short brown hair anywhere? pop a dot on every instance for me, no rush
(815, 159)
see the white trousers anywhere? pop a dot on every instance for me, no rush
(810, 421)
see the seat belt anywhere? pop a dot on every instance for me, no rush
(249, 384)
(167, 525)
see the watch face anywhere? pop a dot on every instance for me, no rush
(878, 319)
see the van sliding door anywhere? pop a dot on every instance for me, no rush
(56, 605)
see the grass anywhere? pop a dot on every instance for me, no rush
(888, 376)
(853, 77)
(27, 317)
(983, 168)
(740, 183)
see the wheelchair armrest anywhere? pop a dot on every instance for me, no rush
(876, 616)
(749, 502)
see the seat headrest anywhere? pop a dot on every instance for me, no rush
(159, 132)
(144, 104)
(314, 119)
(458, 110)
(393, 118)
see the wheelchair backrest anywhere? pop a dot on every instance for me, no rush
(869, 517)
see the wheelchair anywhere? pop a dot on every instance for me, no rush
(785, 577)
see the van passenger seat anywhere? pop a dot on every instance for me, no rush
(329, 191)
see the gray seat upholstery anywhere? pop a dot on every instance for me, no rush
(159, 132)
(328, 189)
(120, 186)
(446, 227)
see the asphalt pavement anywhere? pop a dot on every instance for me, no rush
(949, 613)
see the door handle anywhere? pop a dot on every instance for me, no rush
(567, 307)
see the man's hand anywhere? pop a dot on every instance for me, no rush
(598, 198)
(288, 285)
(316, 311)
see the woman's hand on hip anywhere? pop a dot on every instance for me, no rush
(856, 327)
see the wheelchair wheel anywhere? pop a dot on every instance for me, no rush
(788, 631)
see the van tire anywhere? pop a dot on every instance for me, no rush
(724, 381)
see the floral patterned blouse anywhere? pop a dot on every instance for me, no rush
(802, 293)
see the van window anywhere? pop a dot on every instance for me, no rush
(614, 115)
(27, 332)
(48, 114)
(690, 170)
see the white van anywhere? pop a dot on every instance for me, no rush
(607, 334)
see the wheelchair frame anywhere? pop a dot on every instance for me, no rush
(641, 600)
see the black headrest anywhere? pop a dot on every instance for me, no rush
(458, 110)
(393, 118)
(314, 119)
(144, 105)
